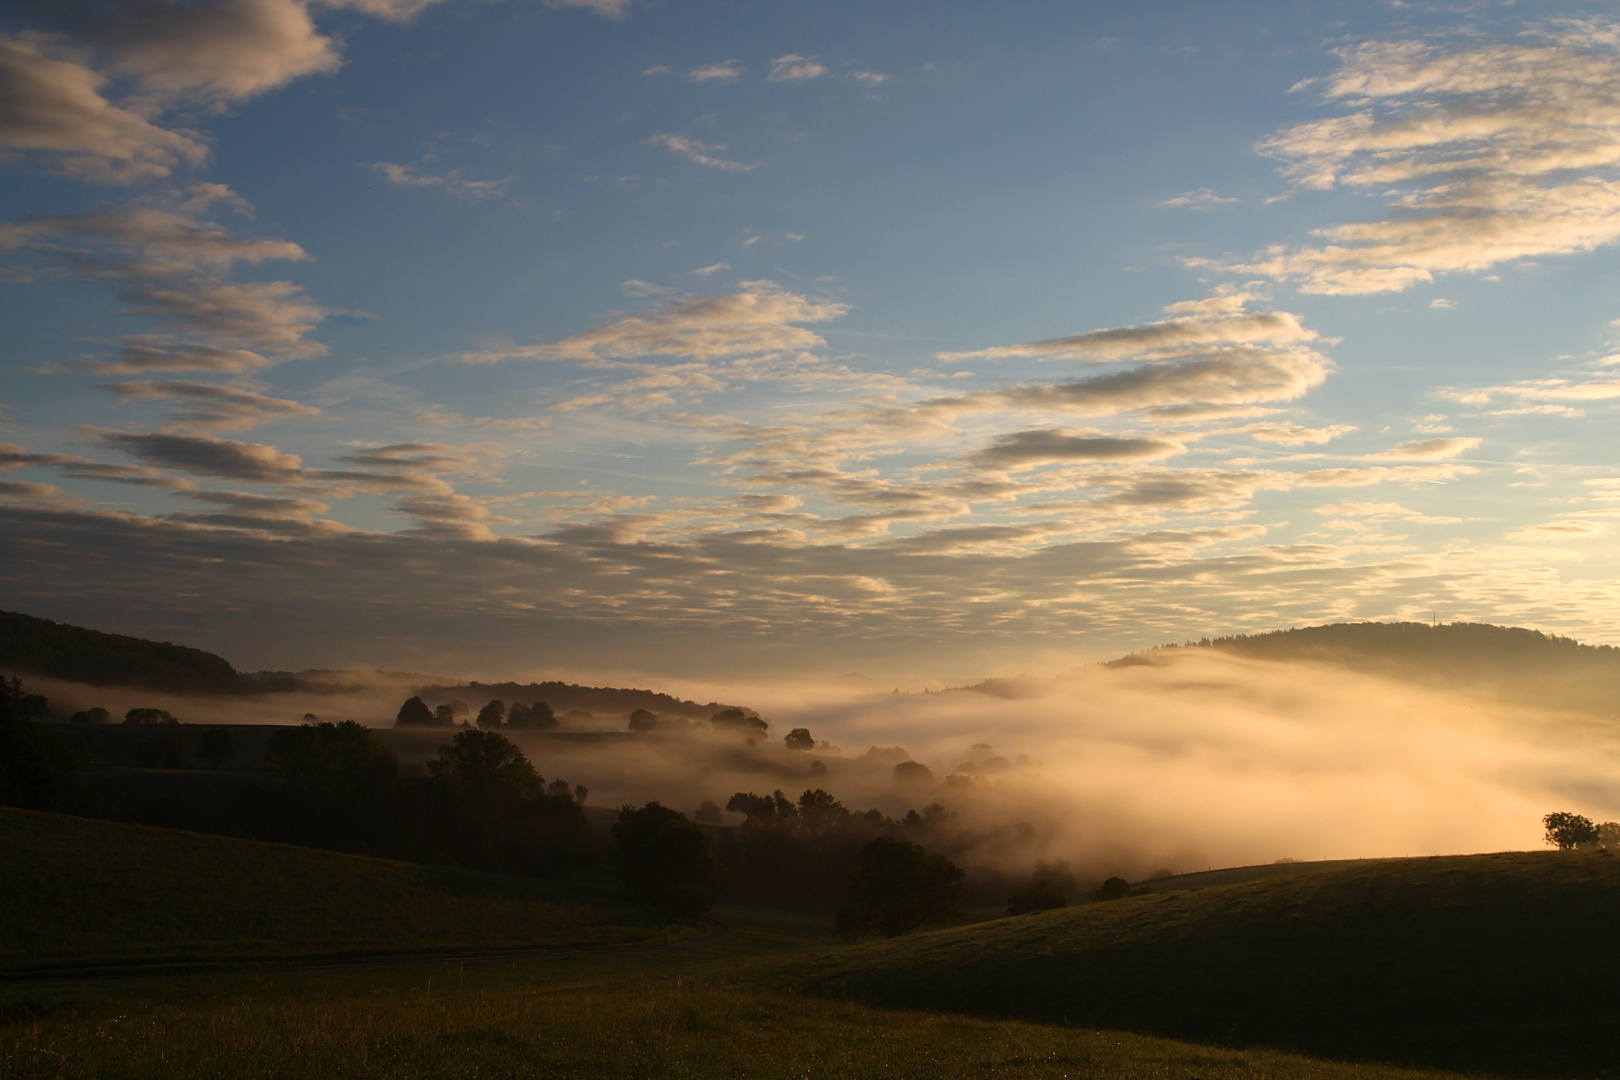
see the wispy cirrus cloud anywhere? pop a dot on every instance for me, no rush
(700, 153)
(453, 182)
(760, 318)
(724, 72)
(795, 68)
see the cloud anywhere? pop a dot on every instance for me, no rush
(659, 69)
(1380, 474)
(1383, 511)
(1027, 449)
(205, 456)
(262, 513)
(453, 181)
(173, 242)
(1199, 200)
(724, 72)
(710, 270)
(209, 407)
(1222, 319)
(1426, 450)
(1225, 376)
(1553, 396)
(171, 268)
(700, 153)
(148, 353)
(761, 318)
(1485, 152)
(1561, 529)
(54, 108)
(1298, 435)
(795, 68)
(215, 52)
(870, 78)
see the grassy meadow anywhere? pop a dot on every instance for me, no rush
(80, 894)
(1494, 965)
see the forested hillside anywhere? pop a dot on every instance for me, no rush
(30, 646)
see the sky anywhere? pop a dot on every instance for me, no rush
(925, 341)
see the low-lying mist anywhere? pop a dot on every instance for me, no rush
(1196, 759)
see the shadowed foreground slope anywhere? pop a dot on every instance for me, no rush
(1502, 962)
(78, 894)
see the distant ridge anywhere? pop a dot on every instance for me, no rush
(34, 646)
(31, 646)
(592, 699)
(1520, 665)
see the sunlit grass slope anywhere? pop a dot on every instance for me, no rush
(1474, 961)
(83, 894)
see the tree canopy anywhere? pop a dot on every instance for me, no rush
(897, 887)
(666, 860)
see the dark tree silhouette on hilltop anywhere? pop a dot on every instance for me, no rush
(1568, 831)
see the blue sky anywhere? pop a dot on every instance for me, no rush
(926, 340)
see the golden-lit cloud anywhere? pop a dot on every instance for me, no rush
(1486, 153)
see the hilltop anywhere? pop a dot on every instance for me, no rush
(31, 646)
(1518, 665)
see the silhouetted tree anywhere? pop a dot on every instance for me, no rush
(94, 715)
(444, 716)
(37, 772)
(643, 720)
(763, 810)
(332, 785)
(492, 714)
(708, 813)
(820, 813)
(666, 861)
(740, 722)
(1569, 831)
(897, 887)
(911, 772)
(799, 739)
(536, 716)
(216, 745)
(415, 713)
(1114, 888)
(149, 716)
(487, 765)
(1050, 886)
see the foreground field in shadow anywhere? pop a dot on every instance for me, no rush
(100, 897)
(1496, 965)
(1499, 963)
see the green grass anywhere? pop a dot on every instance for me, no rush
(648, 1028)
(79, 894)
(1499, 965)
(1502, 961)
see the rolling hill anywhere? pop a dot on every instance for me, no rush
(1499, 961)
(85, 895)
